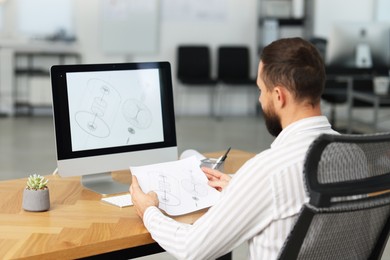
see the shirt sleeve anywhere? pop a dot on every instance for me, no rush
(244, 210)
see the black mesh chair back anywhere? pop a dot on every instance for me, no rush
(348, 181)
(234, 65)
(194, 65)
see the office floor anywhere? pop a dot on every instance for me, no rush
(27, 143)
(27, 146)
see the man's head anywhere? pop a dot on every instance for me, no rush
(291, 79)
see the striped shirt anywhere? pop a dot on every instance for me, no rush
(259, 205)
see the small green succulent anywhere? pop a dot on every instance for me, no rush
(36, 182)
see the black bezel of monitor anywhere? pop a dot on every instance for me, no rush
(61, 108)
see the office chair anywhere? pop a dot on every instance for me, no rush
(194, 69)
(233, 70)
(347, 178)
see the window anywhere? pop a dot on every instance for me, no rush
(45, 18)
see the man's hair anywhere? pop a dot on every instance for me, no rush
(295, 64)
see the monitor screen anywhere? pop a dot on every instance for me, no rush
(359, 45)
(108, 117)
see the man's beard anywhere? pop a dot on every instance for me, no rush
(272, 122)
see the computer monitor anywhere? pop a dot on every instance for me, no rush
(359, 45)
(108, 117)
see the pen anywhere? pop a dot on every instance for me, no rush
(221, 159)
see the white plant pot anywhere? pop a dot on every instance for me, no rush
(36, 200)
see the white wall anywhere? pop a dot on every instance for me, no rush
(382, 11)
(87, 25)
(327, 12)
(237, 25)
(218, 22)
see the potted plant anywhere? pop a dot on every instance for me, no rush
(36, 194)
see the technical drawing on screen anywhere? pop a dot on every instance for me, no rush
(107, 110)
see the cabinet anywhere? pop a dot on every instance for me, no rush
(25, 74)
(283, 18)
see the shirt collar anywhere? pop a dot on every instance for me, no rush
(303, 125)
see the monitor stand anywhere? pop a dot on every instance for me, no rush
(103, 183)
(363, 57)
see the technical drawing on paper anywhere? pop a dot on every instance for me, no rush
(103, 99)
(180, 185)
(194, 187)
(166, 187)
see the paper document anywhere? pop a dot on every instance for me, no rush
(181, 185)
(191, 152)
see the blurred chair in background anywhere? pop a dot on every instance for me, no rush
(194, 71)
(234, 71)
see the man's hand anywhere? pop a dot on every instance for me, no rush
(141, 200)
(217, 179)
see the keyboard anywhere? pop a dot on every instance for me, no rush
(121, 201)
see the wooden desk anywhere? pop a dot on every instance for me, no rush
(78, 224)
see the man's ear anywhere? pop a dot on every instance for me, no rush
(279, 96)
